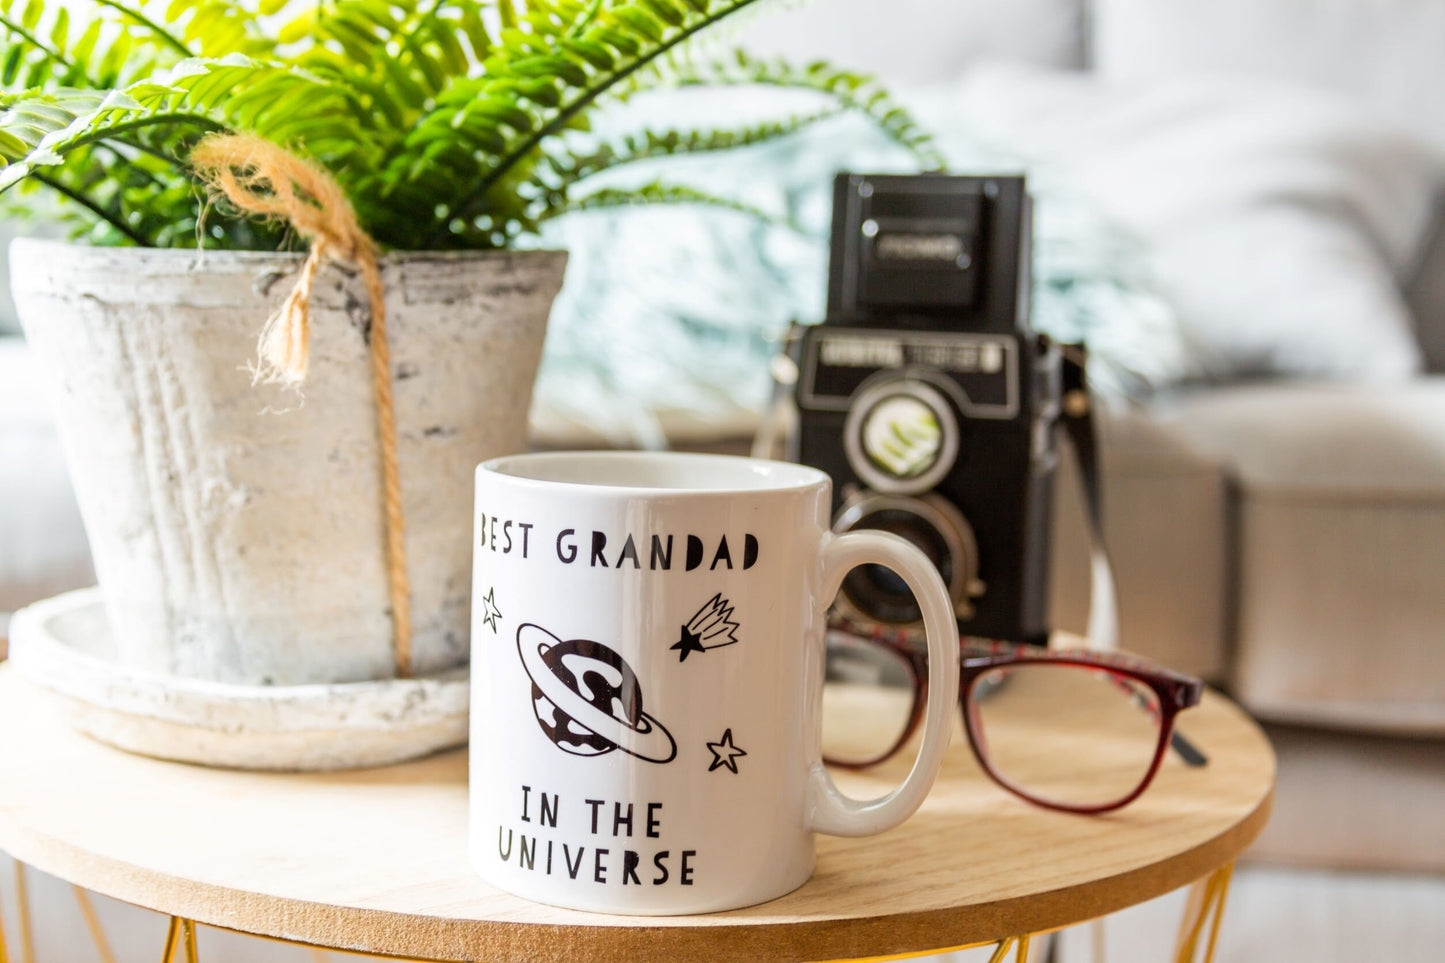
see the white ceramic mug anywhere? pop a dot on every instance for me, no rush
(647, 670)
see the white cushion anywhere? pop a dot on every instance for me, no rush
(1281, 222)
(1388, 52)
(1323, 441)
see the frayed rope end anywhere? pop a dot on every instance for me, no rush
(260, 178)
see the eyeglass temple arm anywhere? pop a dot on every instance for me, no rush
(1190, 754)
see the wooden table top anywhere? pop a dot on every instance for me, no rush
(375, 860)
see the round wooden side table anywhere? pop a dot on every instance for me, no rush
(375, 860)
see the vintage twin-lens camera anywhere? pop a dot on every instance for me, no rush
(928, 399)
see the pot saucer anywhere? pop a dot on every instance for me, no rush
(64, 644)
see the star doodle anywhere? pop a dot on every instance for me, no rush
(711, 627)
(724, 753)
(689, 642)
(490, 612)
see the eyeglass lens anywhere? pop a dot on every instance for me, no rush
(868, 695)
(1066, 734)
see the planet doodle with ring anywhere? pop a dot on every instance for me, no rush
(587, 698)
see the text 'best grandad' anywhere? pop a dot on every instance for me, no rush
(591, 548)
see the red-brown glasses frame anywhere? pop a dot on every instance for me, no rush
(1174, 692)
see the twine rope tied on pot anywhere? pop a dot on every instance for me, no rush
(260, 178)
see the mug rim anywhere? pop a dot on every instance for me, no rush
(766, 475)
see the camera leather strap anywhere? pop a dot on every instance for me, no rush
(1077, 417)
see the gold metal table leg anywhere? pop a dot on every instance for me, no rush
(1000, 951)
(22, 901)
(92, 921)
(4, 952)
(1205, 908)
(173, 937)
(189, 927)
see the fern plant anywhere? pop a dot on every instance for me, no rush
(450, 124)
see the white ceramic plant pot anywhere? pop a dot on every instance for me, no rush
(237, 529)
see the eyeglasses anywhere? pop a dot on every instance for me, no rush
(1074, 730)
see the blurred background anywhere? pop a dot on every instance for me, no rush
(1238, 207)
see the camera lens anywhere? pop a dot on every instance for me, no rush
(901, 436)
(932, 525)
(881, 591)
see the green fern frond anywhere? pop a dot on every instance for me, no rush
(568, 167)
(848, 89)
(138, 17)
(448, 123)
(659, 192)
(116, 220)
(196, 94)
(42, 49)
(636, 34)
(215, 28)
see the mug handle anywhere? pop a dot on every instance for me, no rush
(833, 812)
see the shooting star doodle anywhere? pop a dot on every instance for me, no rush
(711, 627)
